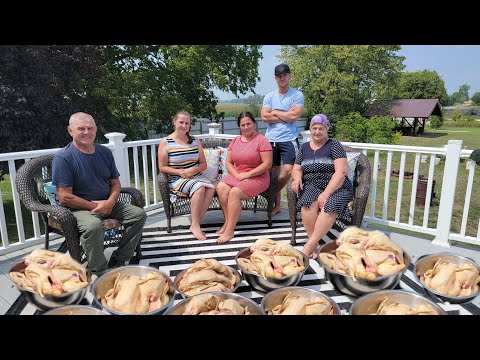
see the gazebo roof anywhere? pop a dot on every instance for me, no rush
(402, 108)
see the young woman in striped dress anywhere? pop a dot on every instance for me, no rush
(181, 157)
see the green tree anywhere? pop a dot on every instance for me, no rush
(463, 91)
(423, 84)
(476, 98)
(145, 85)
(339, 79)
(377, 130)
(456, 98)
(40, 87)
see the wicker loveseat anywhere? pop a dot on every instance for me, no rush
(181, 206)
(58, 219)
(361, 189)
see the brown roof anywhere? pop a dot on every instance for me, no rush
(414, 108)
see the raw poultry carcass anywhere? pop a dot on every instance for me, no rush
(300, 305)
(386, 261)
(353, 235)
(364, 254)
(207, 275)
(356, 262)
(153, 293)
(42, 257)
(132, 295)
(272, 259)
(388, 307)
(265, 245)
(451, 279)
(209, 304)
(380, 241)
(50, 273)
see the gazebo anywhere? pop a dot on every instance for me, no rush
(409, 113)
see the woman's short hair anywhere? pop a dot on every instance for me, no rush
(245, 114)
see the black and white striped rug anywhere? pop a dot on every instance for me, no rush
(178, 250)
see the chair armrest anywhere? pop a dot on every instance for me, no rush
(136, 197)
(363, 178)
(164, 190)
(292, 201)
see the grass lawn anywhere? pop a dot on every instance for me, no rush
(438, 138)
(432, 138)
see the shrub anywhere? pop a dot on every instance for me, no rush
(377, 130)
(457, 115)
(436, 122)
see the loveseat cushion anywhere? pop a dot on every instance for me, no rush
(212, 157)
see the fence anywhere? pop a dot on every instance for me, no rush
(391, 202)
(227, 126)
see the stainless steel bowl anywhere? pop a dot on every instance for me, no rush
(76, 310)
(426, 262)
(347, 285)
(259, 283)
(106, 282)
(275, 297)
(49, 302)
(181, 274)
(253, 307)
(368, 304)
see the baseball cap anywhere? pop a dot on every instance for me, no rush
(321, 119)
(281, 69)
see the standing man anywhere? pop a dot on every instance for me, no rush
(88, 183)
(281, 110)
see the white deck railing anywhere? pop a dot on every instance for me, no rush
(383, 199)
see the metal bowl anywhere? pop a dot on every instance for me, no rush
(275, 297)
(180, 275)
(368, 304)
(347, 285)
(253, 307)
(259, 283)
(106, 282)
(76, 310)
(426, 262)
(49, 302)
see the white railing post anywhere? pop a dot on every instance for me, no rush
(449, 183)
(306, 136)
(213, 128)
(116, 139)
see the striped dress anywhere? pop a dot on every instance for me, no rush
(183, 157)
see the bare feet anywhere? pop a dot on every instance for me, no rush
(221, 230)
(198, 233)
(312, 254)
(276, 210)
(225, 237)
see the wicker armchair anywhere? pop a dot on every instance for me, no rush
(58, 219)
(263, 202)
(361, 190)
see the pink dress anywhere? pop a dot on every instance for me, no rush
(245, 157)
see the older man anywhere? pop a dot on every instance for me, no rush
(88, 183)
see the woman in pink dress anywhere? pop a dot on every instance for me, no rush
(249, 158)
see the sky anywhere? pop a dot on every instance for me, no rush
(456, 65)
